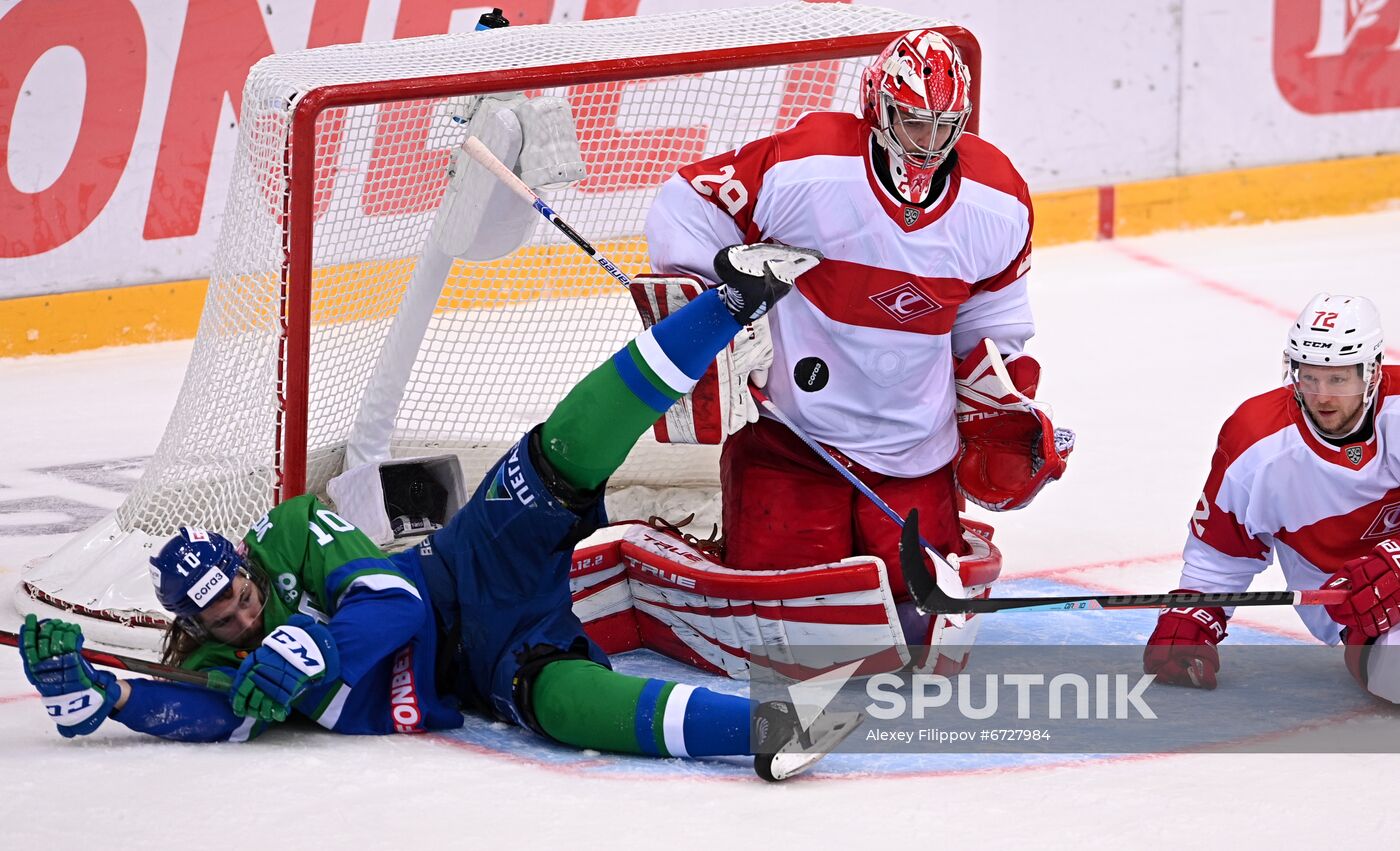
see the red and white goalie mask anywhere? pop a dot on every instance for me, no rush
(917, 96)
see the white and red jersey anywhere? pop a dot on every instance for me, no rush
(1277, 489)
(863, 349)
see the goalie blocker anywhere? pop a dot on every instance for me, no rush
(649, 588)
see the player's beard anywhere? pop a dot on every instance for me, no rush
(1339, 419)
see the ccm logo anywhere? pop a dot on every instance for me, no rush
(1337, 55)
(668, 577)
(1314, 344)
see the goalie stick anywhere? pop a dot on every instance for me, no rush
(215, 681)
(932, 599)
(483, 155)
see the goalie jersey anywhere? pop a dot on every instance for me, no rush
(902, 289)
(1277, 489)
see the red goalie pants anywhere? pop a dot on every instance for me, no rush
(785, 507)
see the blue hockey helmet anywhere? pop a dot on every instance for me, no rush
(193, 569)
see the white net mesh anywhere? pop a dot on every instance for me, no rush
(509, 337)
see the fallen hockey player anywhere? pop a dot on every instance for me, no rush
(307, 616)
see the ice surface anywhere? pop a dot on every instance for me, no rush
(1147, 345)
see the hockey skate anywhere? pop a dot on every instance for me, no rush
(784, 749)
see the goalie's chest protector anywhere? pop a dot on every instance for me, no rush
(862, 349)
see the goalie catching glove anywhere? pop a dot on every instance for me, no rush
(753, 277)
(1010, 449)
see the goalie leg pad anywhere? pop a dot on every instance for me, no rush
(601, 597)
(709, 616)
(651, 589)
(550, 156)
(480, 217)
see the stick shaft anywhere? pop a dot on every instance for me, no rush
(861, 487)
(130, 663)
(482, 154)
(1152, 601)
(933, 600)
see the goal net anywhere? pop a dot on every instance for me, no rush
(342, 161)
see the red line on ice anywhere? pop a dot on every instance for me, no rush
(1218, 286)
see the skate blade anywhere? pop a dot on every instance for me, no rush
(826, 733)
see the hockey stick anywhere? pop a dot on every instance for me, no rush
(933, 600)
(488, 160)
(479, 152)
(215, 681)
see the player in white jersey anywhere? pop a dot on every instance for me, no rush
(1309, 474)
(926, 231)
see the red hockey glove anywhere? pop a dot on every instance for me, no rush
(1181, 651)
(1374, 582)
(1010, 450)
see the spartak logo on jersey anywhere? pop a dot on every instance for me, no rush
(905, 302)
(1386, 524)
(1337, 55)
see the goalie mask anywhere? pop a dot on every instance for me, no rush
(917, 96)
(1333, 360)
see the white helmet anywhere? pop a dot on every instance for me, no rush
(1336, 330)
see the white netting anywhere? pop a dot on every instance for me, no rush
(509, 337)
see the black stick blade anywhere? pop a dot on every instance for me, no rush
(921, 584)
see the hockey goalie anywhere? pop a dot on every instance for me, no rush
(901, 353)
(909, 369)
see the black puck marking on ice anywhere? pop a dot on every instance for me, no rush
(811, 374)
